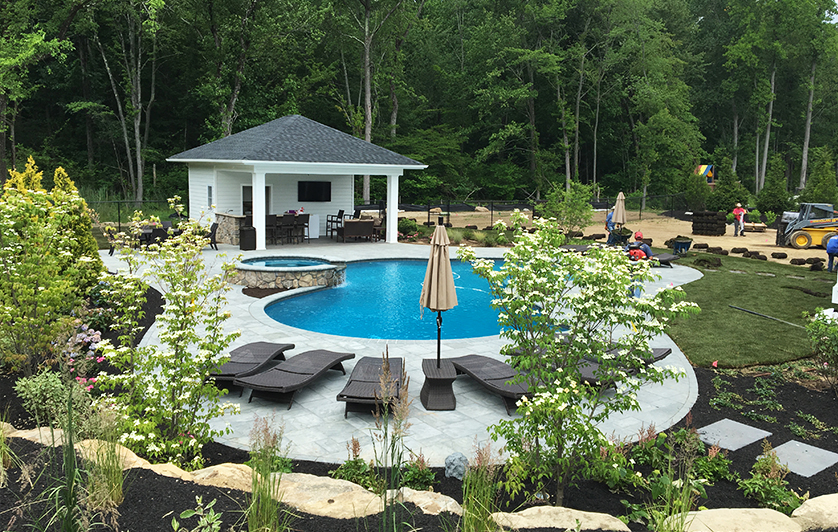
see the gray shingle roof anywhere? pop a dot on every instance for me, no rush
(294, 138)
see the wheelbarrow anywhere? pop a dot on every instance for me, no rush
(680, 247)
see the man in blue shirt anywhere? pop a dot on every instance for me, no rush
(832, 251)
(609, 226)
(638, 237)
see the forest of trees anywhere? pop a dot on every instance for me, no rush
(503, 99)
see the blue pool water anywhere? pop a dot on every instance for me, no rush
(380, 299)
(284, 262)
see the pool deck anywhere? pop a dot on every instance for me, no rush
(315, 428)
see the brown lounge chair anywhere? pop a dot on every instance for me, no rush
(284, 378)
(493, 375)
(362, 392)
(249, 359)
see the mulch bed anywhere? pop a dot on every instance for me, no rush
(152, 501)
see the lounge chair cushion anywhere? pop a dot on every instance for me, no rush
(363, 389)
(249, 359)
(285, 377)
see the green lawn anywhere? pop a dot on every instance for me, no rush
(736, 338)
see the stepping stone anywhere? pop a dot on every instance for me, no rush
(731, 435)
(737, 271)
(805, 460)
(795, 277)
(764, 274)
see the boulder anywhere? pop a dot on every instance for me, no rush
(233, 476)
(87, 450)
(740, 520)
(558, 518)
(818, 513)
(42, 435)
(430, 502)
(436, 210)
(455, 466)
(339, 499)
(480, 208)
(171, 470)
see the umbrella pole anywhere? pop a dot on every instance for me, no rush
(438, 336)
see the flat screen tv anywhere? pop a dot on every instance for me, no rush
(314, 191)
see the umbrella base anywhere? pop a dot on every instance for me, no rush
(438, 391)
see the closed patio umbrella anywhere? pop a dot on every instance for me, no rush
(438, 292)
(620, 210)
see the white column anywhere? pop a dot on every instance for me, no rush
(259, 207)
(392, 236)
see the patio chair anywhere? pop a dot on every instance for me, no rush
(286, 227)
(493, 375)
(362, 392)
(282, 379)
(249, 359)
(212, 234)
(301, 228)
(333, 222)
(271, 227)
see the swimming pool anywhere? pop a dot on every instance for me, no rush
(380, 299)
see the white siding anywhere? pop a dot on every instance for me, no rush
(200, 177)
(229, 191)
(284, 192)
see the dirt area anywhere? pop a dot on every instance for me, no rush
(659, 229)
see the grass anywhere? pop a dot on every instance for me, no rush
(738, 339)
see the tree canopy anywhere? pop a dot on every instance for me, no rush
(503, 100)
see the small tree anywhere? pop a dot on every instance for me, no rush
(45, 270)
(560, 308)
(571, 209)
(774, 197)
(728, 192)
(165, 394)
(823, 335)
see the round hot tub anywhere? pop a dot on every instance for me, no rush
(288, 272)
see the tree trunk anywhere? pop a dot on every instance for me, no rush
(756, 156)
(564, 137)
(767, 131)
(4, 172)
(533, 137)
(85, 88)
(229, 115)
(804, 160)
(735, 158)
(120, 114)
(394, 108)
(367, 92)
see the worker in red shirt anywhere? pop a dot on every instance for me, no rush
(739, 220)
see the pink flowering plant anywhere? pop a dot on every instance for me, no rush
(164, 394)
(559, 309)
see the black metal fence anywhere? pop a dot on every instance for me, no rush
(428, 213)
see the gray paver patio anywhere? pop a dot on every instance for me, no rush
(731, 435)
(803, 459)
(315, 427)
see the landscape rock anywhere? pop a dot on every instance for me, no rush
(328, 497)
(480, 208)
(740, 520)
(436, 210)
(233, 476)
(430, 502)
(557, 517)
(455, 466)
(42, 435)
(818, 513)
(87, 449)
(171, 470)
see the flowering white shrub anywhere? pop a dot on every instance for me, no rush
(561, 309)
(163, 389)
